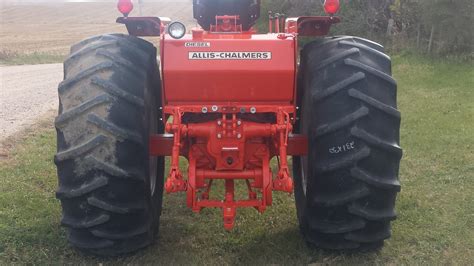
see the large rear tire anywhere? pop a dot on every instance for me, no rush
(110, 188)
(346, 187)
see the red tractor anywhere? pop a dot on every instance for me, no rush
(228, 100)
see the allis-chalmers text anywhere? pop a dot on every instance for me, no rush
(230, 55)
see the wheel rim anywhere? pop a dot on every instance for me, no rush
(304, 159)
(153, 160)
(153, 172)
(303, 164)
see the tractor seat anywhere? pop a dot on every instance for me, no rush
(205, 11)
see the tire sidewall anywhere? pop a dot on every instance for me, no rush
(152, 103)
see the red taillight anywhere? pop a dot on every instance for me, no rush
(125, 7)
(331, 6)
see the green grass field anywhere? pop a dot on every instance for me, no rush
(14, 58)
(436, 206)
(33, 59)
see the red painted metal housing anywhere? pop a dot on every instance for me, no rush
(229, 102)
(228, 76)
(210, 68)
(162, 145)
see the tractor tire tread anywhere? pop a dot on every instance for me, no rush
(341, 123)
(80, 149)
(372, 214)
(113, 89)
(69, 82)
(130, 42)
(79, 242)
(105, 43)
(84, 189)
(336, 58)
(88, 49)
(349, 198)
(110, 169)
(370, 70)
(342, 198)
(320, 47)
(111, 83)
(112, 235)
(331, 244)
(364, 176)
(321, 95)
(363, 237)
(82, 108)
(113, 208)
(341, 163)
(377, 142)
(366, 48)
(118, 132)
(389, 110)
(86, 223)
(121, 62)
(337, 228)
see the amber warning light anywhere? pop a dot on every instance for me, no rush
(125, 7)
(331, 6)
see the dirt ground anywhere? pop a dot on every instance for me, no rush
(28, 92)
(28, 26)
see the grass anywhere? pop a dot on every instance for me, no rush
(436, 210)
(8, 57)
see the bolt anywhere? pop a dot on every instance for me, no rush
(297, 107)
(239, 136)
(239, 122)
(204, 109)
(219, 135)
(219, 122)
(253, 110)
(214, 108)
(161, 108)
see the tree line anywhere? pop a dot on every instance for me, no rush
(429, 26)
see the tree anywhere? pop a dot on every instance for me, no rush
(446, 24)
(450, 23)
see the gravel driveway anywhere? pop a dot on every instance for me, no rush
(26, 93)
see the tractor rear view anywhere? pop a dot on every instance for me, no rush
(228, 100)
